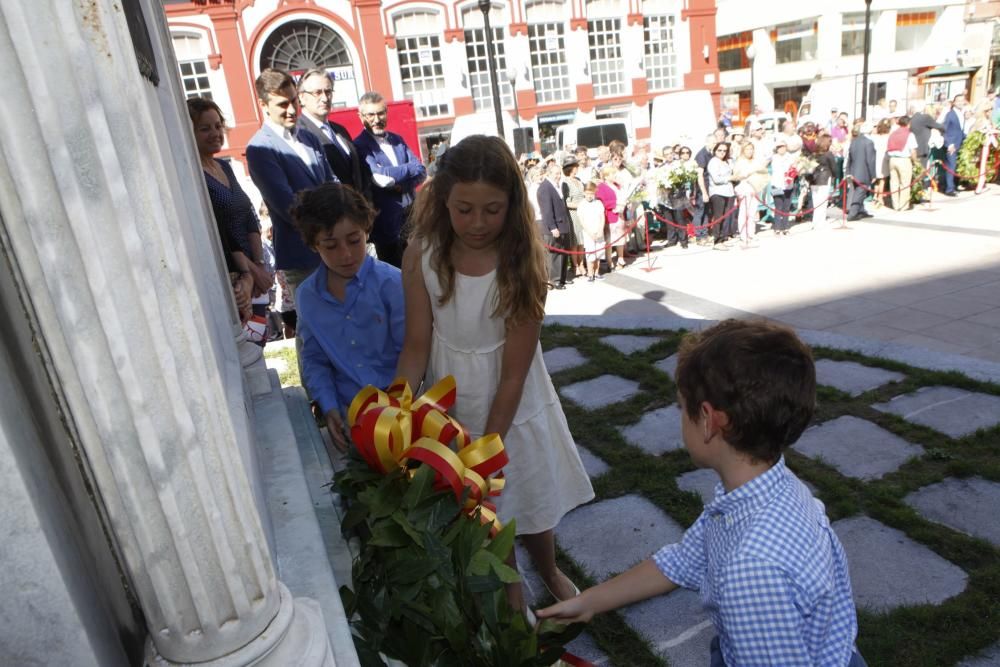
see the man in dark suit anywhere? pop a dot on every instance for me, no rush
(556, 224)
(283, 161)
(396, 172)
(315, 98)
(860, 166)
(953, 138)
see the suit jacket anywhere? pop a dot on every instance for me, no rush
(953, 134)
(921, 125)
(392, 201)
(555, 215)
(861, 159)
(279, 173)
(349, 169)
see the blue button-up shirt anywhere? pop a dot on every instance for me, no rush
(771, 572)
(348, 345)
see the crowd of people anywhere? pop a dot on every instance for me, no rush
(742, 179)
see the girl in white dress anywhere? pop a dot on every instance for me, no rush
(474, 280)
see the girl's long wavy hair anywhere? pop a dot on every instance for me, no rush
(521, 275)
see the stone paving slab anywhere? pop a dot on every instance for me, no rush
(585, 647)
(700, 481)
(952, 411)
(592, 463)
(676, 626)
(987, 658)
(885, 564)
(610, 536)
(560, 358)
(853, 378)
(601, 391)
(627, 343)
(668, 365)
(657, 431)
(967, 505)
(856, 447)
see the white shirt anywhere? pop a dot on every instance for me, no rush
(300, 148)
(382, 180)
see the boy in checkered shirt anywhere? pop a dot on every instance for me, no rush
(770, 570)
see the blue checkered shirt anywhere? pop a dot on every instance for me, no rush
(771, 572)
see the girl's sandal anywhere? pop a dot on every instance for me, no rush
(576, 591)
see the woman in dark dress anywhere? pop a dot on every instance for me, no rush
(237, 221)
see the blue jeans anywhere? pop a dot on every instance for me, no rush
(951, 159)
(717, 661)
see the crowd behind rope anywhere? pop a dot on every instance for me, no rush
(745, 179)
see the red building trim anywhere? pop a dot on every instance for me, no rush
(463, 106)
(634, 19)
(518, 29)
(214, 57)
(454, 35)
(585, 96)
(578, 24)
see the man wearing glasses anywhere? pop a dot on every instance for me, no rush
(316, 97)
(396, 173)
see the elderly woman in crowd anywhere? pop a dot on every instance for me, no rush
(234, 215)
(721, 195)
(610, 194)
(572, 192)
(781, 185)
(751, 172)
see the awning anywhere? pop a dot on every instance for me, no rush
(948, 70)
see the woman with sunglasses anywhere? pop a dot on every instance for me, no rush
(721, 195)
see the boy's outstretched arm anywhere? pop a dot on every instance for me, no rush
(638, 583)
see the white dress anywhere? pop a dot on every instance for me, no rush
(545, 477)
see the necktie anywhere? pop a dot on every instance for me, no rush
(327, 131)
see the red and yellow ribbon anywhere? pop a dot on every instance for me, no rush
(389, 428)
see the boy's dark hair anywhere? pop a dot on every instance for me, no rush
(321, 208)
(760, 374)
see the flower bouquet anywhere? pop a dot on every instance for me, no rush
(791, 174)
(428, 585)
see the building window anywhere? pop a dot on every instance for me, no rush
(479, 71)
(794, 42)
(913, 29)
(733, 51)
(193, 65)
(607, 69)
(547, 43)
(852, 35)
(301, 45)
(418, 47)
(659, 58)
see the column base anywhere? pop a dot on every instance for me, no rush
(296, 636)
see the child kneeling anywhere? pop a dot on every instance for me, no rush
(771, 572)
(350, 310)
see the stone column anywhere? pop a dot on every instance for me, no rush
(114, 254)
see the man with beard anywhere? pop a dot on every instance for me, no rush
(396, 172)
(315, 98)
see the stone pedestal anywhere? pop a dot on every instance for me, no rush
(114, 256)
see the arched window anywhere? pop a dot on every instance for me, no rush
(300, 45)
(418, 47)
(193, 64)
(547, 43)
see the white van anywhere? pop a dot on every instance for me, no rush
(482, 122)
(685, 117)
(592, 134)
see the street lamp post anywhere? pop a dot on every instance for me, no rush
(864, 66)
(751, 54)
(512, 80)
(484, 7)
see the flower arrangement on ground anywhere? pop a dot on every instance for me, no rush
(428, 585)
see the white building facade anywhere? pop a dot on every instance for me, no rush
(919, 50)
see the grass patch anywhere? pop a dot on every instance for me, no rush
(287, 362)
(918, 635)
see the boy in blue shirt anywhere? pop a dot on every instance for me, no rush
(771, 572)
(350, 310)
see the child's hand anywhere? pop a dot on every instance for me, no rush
(335, 425)
(573, 610)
